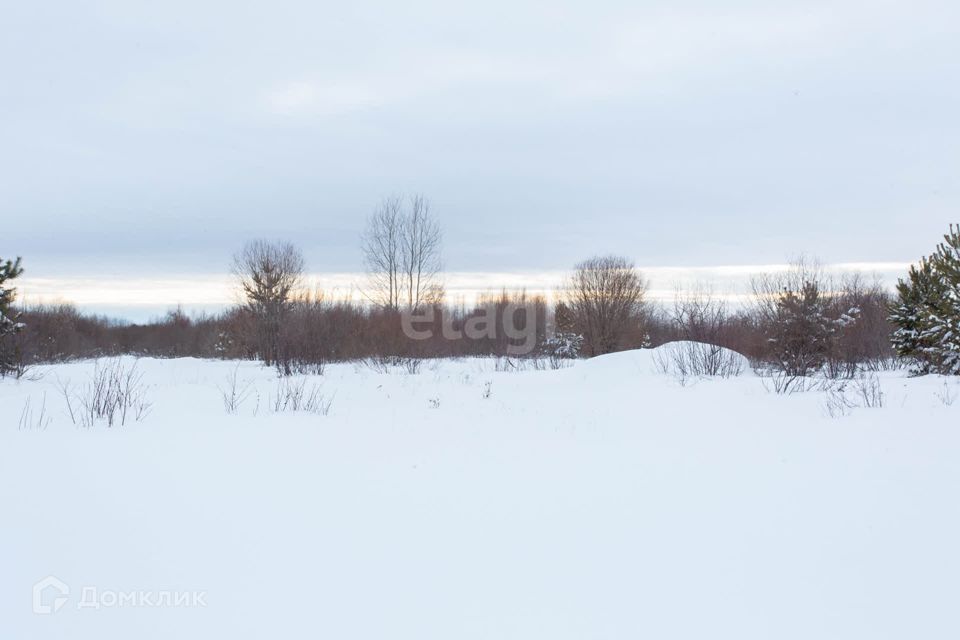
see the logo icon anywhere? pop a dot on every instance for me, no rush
(49, 585)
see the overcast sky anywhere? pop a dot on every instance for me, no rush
(152, 138)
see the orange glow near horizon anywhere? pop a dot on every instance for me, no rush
(205, 290)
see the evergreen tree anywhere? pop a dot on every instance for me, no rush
(9, 325)
(564, 345)
(927, 310)
(944, 319)
(801, 330)
(910, 313)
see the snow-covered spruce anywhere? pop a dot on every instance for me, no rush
(927, 310)
(9, 324)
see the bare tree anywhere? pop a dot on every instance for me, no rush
(421, 255)
(382, 253)
(402, 254)
(700, 320)
(606, 296)
(268, 274)
(699, 315)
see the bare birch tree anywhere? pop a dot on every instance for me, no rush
(402, 254)
(382, 253)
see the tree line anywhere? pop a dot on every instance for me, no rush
(800, 322)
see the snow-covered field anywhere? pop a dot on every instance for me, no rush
(603, 500)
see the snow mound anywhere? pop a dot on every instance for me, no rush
(629, 362)
(682, 358)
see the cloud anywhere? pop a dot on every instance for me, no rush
(149, 140)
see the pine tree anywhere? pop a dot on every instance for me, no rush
(801, 330)
(564, 345)
(927, 310)
(944, 319)
(9, 324)
(910, 313)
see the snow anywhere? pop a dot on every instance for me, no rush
(603, 500)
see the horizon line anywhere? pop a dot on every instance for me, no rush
(137, 295)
